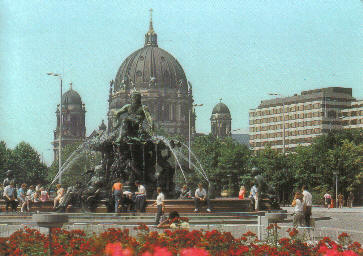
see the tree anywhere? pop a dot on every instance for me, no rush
(4, 159)
(25, 161)
(346, 161)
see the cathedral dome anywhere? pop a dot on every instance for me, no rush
(220, 108)
(71, 99)
(151, 66)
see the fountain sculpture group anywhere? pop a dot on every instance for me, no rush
(129, 153)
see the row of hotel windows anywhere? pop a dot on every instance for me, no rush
(352, 113)
(287, 134)
(288, 125)
(287, 109)
(287, 117)
(279, 142)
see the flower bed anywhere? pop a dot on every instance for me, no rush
(181, 242)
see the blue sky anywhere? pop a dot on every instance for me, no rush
(235, 50)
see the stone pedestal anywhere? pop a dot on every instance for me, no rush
(50, 220)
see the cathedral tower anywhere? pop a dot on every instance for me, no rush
(73, 125)
(221, 121)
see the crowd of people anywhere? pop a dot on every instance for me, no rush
(23, 196)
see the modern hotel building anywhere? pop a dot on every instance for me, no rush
(284, 123)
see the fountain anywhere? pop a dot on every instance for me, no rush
(130, 152)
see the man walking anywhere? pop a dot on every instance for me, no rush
(117, 193)
(308, 203)
(201, 197)
(160, 205)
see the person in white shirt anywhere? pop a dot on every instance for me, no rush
(254, 196)
(298, 205)
(140, 203)
(308, 202)
(200, 196)
(10, 196)
(160, 205)
(327, 198)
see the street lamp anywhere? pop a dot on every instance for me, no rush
(60, 125)
(283, 120)
(336, 188)
(189, 130)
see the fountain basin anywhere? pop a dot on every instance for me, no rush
(50, 220)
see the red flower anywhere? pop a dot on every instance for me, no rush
(194, 252)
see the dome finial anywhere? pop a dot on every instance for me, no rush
(151, 29)
(220, 99)
(70, 86)
(151, 38)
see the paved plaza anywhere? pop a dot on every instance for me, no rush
(338, 220)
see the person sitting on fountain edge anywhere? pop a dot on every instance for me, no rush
(201, 197)
(185, 192)
(140, 203)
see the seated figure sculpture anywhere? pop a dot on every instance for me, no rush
(86, 196)
(131, 128)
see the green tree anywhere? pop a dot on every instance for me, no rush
(4, 159)
(346, 161)
(25, 161)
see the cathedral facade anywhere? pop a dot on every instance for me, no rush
(164, 87)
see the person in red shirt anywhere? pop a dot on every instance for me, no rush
(117, 193)
(242, 191)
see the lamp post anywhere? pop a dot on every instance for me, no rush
(283, 120)
(60, 124)
(336, 188)
(189, 130)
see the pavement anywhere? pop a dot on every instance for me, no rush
(337, 220)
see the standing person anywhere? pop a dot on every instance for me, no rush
(9, 196)
(117, 193)
(242, 192)
(308, 202)
(185, 192)
(140, 203)
(340, 200)
(22, 197)
(200, 196)
(59, 197)
(350, 199)
(254, 196)
(327, 200)
(160, 205)
(298, 205)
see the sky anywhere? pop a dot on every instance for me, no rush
(235, 50)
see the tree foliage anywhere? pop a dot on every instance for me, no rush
(339, 152)
(25, 162)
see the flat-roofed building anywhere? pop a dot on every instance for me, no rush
(352, 117)
(286, 122)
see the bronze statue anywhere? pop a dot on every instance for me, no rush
(131, 127)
